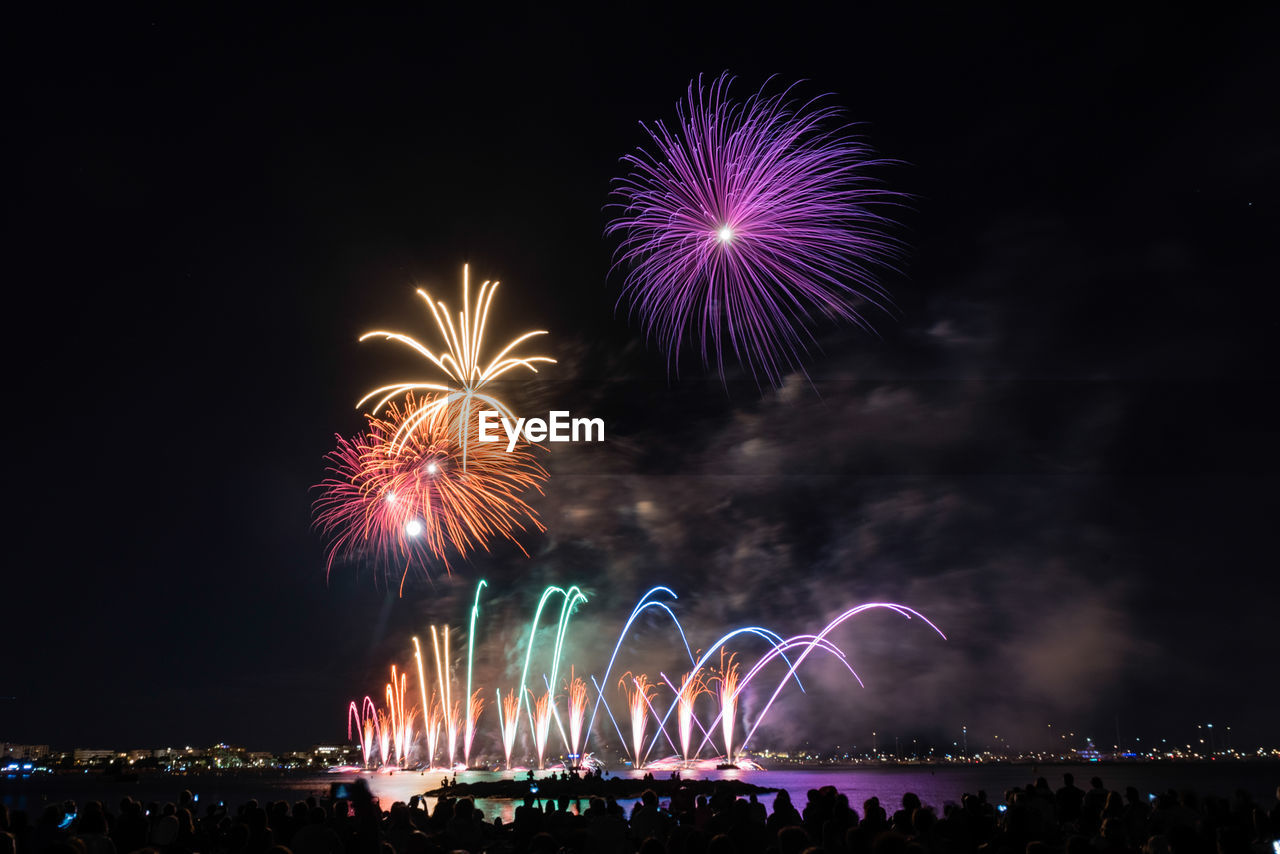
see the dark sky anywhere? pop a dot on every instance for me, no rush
(1061, 447)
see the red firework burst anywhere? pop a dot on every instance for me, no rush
(408, 501)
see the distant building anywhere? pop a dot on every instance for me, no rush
(90, 756)
(25, 751)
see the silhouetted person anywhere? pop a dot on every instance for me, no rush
(1068, 800)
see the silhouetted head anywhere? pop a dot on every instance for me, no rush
(721, 843)
(889, 843)
(91, 821)
(1232, 840)
(418, 843)
(543, 843)
(792, 840)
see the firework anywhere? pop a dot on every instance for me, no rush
(744, 223)
(691, 686)
(431, 730)
(572, 597)
(577, 690)
(474, 707)
(398, 717)
(461, 363)
(426, 708)
(728, 694)
(384, 737)
(542, 709)
(639, 693)
(508, 722)
(365, 718)
(407, 502)
(392, 732)
(449, 709)
(646, 601)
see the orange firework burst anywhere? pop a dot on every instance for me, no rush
(640, 693)
(508, 722)
(542, 711)
(728, 693)
(691, 688)
(577, 713)
(394, 501)
(474, 707)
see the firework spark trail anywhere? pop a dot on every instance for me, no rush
(395, 703)
(621, 738)
(641, 605)
(902, 610)
(508, 722)
(384, 737)
(662, 730)
(638, 694)
(728, 695)
(461, 363)
(370, 737)
(746, 221)
(449, 709)
(547, 593)
(426, 707)
(410, 715)
(572, 597)
(406, 503)
(577, 691)
(431, 728)
(775, 640)
(779, 651)
(542, 725)
(475, 705)
(453, 728)
(365, 718)
(555, 713)
(691, 687)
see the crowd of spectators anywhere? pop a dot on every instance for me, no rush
(1036, 819)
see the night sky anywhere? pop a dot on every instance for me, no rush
(1061, 446)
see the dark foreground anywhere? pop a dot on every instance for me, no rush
(675, 816)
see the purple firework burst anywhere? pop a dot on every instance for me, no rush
(749, 220)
